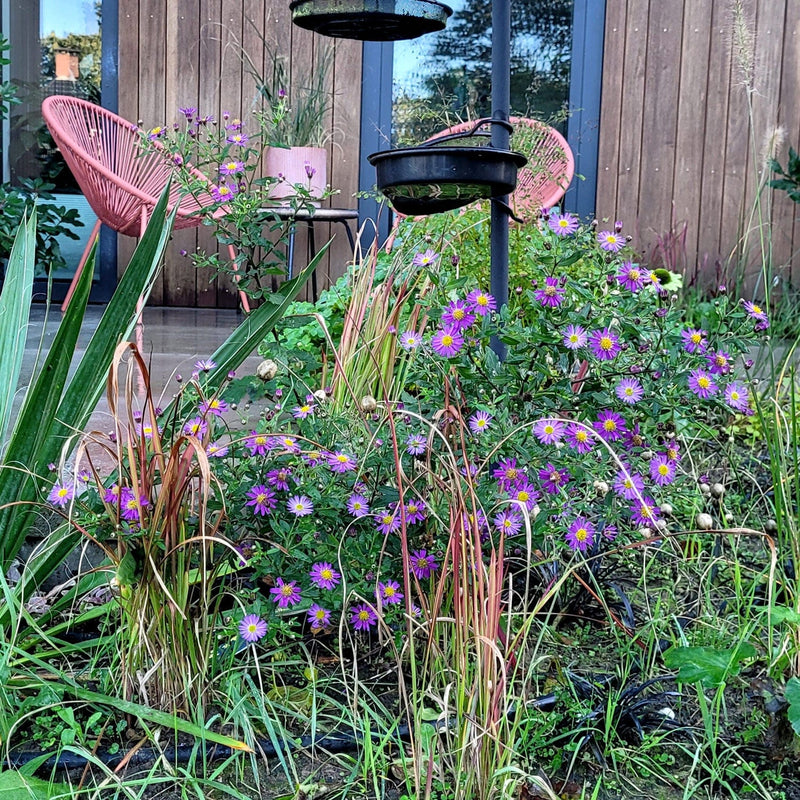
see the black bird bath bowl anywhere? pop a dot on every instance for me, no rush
(370, 20)
(435, 176)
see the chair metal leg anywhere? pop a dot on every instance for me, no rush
(312, 251)
(243, 299)
(81, 265)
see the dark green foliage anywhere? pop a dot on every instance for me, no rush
(789, 181)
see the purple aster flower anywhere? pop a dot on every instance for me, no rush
(610, 532)
(146, 429)
(524, 494)
(252, 628)
(737, 397)
(719, 363)
(324, 576)
(388, 522)
(479, 422)
(627, 484)
(416, 444)
(574, 337)
(631, 277)
(476, 521)
(481, 302)
(61, 494)
(363, 617)
(300, 505)
(610, 241)
(552, 294)
(673, 450)
(633, 437)
(318, 617)
(237, 138)
(216, 450)
(424, 259)
(508, 522)
(410, 340)
(223, 193)
(357, 505)
(702, 383)
(262, 499)
(694, 340)
(257, 443)
(507, 473)
(757, 313)
(644, 513)
(604, 344)
(287, 444)
(303, 411)
(279, 478)
(447, 342)
(580, 535)
(579, 437)
(232, 167)
(629, 390)
(285, 594)
(553, 479)
(563, 224)
(389, 592)
(157, 133)
(549, 431)
(662, 470)
(196, 427)
(188, 112)
(415, 511)
(610, 425)
(458, 316)
(341, 462)
(422, 564)
(214, 406)
(111, 494)
(130, 505)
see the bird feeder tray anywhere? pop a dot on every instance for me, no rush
(370, 20)
(440, 176)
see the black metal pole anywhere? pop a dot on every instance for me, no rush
(501, 100)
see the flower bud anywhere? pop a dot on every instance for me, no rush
(267, 370)
(770, 526)
(717, 490)
(705, 489)
(704, 522)
(368, 403)
(601, 487)
(666, 509)
(320, 395)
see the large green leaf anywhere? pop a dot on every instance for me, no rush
(53, 412)
(709, 666)
(16, 786)
(15, 304)
(792, 695)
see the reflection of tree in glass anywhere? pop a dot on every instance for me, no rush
(459, 75)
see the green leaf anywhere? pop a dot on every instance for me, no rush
(792, 695)
(126, 572)
(15, 303)
(782, 614)
(709, 666)
(16, 786)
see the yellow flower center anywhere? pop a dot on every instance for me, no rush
(252, 627)
(581, 534)
(511, 473)
(734, 395)
(341, 458)
(610, 425)
(581, 436)
(482, 300)
(387, 520)
(523, 496)
(447, 340)
(563, 223)
(260, 498)
(63, 492)
(611, 239)
(549, 290)
(389, 591)
(720, 360)
(549, 429)
(458, 313)
(287, 590)
(697, 338)
(363, 615)
(703, 382)
(261, 439)
(633, 274)
(606, 343)
(319, 614)
(326, 574)
(757, 309)
(663, 469)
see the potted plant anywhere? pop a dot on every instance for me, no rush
(293, 119)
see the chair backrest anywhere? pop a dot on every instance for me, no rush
(122, 180)
(550, 169)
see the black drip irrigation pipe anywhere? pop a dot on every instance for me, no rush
(182, 754)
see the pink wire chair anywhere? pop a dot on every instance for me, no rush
(121, 180)
(550, 168)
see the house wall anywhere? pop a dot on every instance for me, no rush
(175, 53)
(683, 127)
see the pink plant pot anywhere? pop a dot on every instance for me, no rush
(306, 166)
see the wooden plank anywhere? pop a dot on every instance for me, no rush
(209, 61)
(230, 87)
(716, 117)
(183, 29)
(786, 219)
(691, 127)
(659, 120)
(152, 89)
(128, 94)
(630, 138)
(344, 156)
(611, 108)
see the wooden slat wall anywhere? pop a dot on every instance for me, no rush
(677, 146)
(177, 53)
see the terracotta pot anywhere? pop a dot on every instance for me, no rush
(306, 166)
